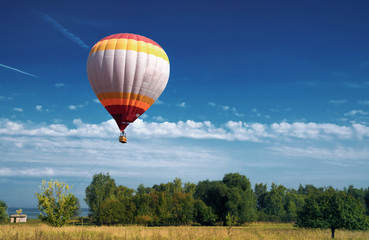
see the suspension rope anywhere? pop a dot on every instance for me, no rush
(97, 161)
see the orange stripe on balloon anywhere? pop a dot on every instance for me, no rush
(125, 95)
(127, 102)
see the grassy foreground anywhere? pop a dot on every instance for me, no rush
(41, 231)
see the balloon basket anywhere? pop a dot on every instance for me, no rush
(122, 137)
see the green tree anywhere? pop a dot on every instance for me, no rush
(111, 211)
(101, 187)
(3, 212)
(203, 214)
(77, 211)
(232, 195)
(214, 195)
(56, 203)
(182, 208)
(358, 194)
(309, 190)
(189, 188)
(125, 196)
(143, 203)
(274, 203)
(366, 199)
(260, 193)
(333, 210)
(293, 203)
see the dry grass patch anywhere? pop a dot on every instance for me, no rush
(251, 231)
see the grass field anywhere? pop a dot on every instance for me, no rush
(39, 231)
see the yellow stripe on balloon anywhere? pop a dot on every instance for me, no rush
(130, 44)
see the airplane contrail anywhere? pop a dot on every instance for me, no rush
(65, 31)
(17, 70)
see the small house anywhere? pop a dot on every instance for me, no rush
(18, 218)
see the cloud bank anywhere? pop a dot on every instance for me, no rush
(229, 131)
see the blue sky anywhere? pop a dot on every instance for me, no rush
(274, 90)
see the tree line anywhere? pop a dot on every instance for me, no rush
(231, 200)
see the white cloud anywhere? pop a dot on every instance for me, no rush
(28, 172)
(211, 104)
(102, 130)
(256, 112)
(242, 131)
(353, 113)
(18, 109)
(39, 108)
(361, 130)
(58, 150)
(236, 113)
(231, 130)
(364, 102)
(355, 84)
(226, 108)
(159, 118)
(4, 98)
(338, 155)
(144, 116)
(59, 85)
(75, 107)
(182, 105)
(311, 130)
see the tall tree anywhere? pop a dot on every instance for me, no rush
(101, 187)
(111, 211)
(260, 193)
(366, 199)
(241, 200)
(274, 202)
(182, 208)
(3, 212)
(214, 195)
(56, 203)
(334, 210)
(358, 194)
(233, 195)
(293, 204)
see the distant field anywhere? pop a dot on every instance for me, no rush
(39, 231)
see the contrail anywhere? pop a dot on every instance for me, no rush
(17, 70)
(64, 31)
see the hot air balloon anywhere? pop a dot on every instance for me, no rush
(128, 73)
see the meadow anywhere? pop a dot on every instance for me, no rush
(40, 231)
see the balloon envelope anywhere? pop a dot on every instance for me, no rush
(128, 73)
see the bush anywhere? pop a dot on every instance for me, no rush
(143, 220)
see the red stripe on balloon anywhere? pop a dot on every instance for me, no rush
(124, 114)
